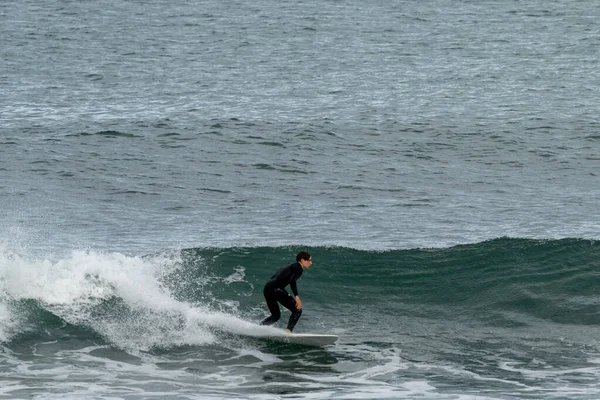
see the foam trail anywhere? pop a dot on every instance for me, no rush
(120, 297)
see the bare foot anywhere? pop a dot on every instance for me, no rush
(288, 331)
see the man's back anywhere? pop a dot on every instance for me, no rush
(285, 276)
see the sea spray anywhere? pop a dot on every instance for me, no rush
(125, 300)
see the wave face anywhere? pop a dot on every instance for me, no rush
(503, 282)
(184, 297)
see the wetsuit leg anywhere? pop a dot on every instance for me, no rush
(289, 302)
(271, 298)
(293, 319)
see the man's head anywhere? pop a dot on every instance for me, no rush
(304, 259)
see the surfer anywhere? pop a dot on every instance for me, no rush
(274, 291)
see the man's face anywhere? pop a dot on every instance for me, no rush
(306, 263)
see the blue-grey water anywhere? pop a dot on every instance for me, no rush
(159, 160)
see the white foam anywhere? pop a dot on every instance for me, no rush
(237, 276)
(147, 315)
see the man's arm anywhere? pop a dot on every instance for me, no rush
(295, 291)
(294, 287)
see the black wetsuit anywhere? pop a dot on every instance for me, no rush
(274, 292)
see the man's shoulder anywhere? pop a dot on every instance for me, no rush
(287, 268)
(293, 268)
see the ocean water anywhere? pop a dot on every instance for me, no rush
(160, 160)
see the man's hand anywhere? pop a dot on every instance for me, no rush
(298, 303)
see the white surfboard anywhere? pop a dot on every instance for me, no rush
(309, 339)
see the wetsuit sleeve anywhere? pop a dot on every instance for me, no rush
(293, 286)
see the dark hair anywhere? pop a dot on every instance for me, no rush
(303, 255)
